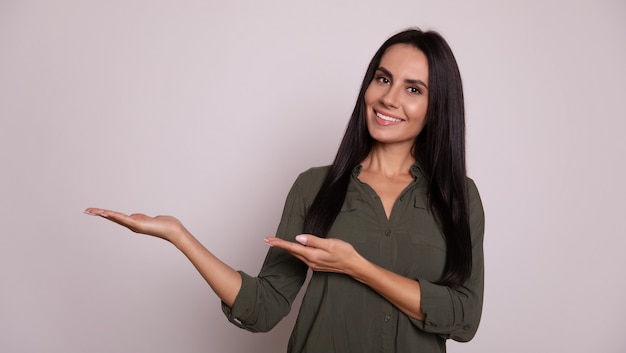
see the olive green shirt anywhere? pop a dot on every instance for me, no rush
(341, 315)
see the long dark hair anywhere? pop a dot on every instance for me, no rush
(439, 148)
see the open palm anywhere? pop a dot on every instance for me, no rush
(159, 226)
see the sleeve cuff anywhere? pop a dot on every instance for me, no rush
(442, 315)
(240, 313)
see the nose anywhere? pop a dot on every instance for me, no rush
(390, 97)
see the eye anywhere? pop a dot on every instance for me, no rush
(414, 90)
(383, 79)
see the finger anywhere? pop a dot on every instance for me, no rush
(277, 242)
(122, 219)
(104, 213)
(114, 214)
(298, 251)
(291, 247)
(94, 211)
(312, 241)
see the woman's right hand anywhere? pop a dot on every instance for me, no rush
(165, 227)
(225, 281)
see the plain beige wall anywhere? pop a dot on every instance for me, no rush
(208, 110)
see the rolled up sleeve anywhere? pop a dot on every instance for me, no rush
(264, 300)
(454, 312)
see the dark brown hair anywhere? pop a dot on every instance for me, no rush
(439, 148)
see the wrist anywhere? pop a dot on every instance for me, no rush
(359, 267)
(180, 238)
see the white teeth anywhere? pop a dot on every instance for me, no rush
(388, 118)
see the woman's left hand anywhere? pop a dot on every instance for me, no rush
(334, 255)
(320, 254)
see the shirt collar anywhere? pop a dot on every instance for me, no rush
(416, 170)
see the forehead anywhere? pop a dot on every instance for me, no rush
(406, 61)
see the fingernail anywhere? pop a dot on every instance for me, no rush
(267, 242)
(301, 239)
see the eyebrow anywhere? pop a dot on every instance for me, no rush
(411, 81)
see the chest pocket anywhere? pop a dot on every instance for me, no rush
(427, 244)
(424, 227)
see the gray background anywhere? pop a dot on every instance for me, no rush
(208, 110)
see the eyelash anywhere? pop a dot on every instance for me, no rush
(415, 90)
(382, 79)
(412, 90)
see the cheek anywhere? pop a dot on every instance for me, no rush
(418, 110)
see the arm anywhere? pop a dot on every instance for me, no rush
(451, 312)
(264, 300)
(454, 312)
(253, 303)
(334, 255)
(224, 281)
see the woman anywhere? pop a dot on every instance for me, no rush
(393, 228)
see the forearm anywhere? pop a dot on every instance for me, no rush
(225, 281)
(333, 255)
(400, 291)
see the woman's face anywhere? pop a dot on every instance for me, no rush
(397, 98)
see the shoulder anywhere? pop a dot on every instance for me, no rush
(315, 173)
(309, 182)
(472, 192)
(477, 213)
(313, 176)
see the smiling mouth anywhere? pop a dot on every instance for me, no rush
(388, 118)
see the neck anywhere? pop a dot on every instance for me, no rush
(389, 160)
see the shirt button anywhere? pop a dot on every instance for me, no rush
(387, 232)
(387, 318)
